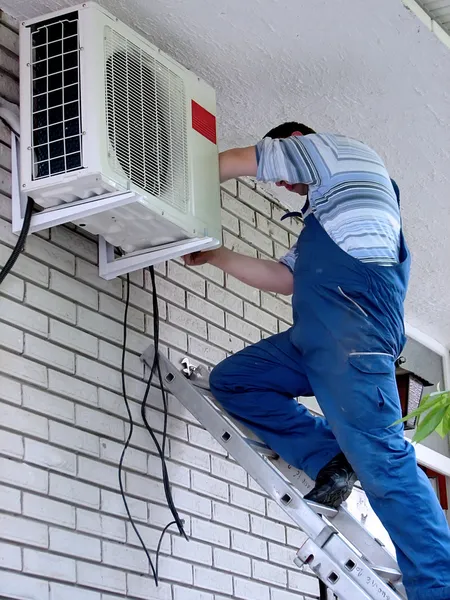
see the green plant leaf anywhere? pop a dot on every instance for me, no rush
(429, 401)
(429, 423)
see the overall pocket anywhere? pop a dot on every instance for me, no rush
(350, 299)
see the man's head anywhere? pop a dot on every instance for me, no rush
(285, 130)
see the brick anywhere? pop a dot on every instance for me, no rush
(52, 355)
(238, 245)
(89, 274)
(13, 287)
(293, 225)
(134, 459)
(248, 500)
(276, 513)
(230, 186)
(187, 321)
(211, 532)
(191, 551)
(271, 574)
(230, 222)
(151, 537)
(206, 352)
(176, 570)
(10, 557)
(253, 485)
(74, 438)
(172, 335)
(232, 562)
(177, 473)
(301, 582)
(231, 516)
(124, 557)
(242, 289)
(138, 586)
(111, 402)
(15, 585)
(72, 387)
(48, 404)
(267, 529)
(210, 272)
(74, 242)
(276, 307)
(256, 239)
(207, 310)
(23, 475)
(97, 373)
(244, 588)
(10, 499)
(159, 516)
(228, 470)
(281, 554)
(10, 390)
(50, 254)
(22, 530)
(272, 229)
(23, 317)
(201, 437)
(238, 208)
(73, 289)
(49, 303)
(74, 544)
(189, 455)
(24, 421)
(112, 502)
(209, 486)
(116, 308)
(279, 250)
(167, 290)
(11, 444)
(99, 325)
(260, 318)
(192, 503)
(225, 299)
(50, 457)
(224, 339)
(100, 577)
(48, 510)
(74, 491)
(282, 326)
(214, 580)
(295, 537)
(186, 278)
(248, 544)
(243, 329)
(26, 267)
(253, 199)
(144, 487)
(59, 591)
(98, 421)
(73, 338)
(97, 472)
(100, 525)
(12, 338)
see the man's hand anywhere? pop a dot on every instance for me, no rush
(266, 275)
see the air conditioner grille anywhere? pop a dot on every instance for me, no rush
(56, 115)
(146, 121)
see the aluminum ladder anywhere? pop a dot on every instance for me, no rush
(339, 550)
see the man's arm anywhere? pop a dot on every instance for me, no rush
(237, 162)
(265, 275)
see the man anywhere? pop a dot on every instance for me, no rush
(348, 273)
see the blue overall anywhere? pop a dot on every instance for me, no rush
(348, 330)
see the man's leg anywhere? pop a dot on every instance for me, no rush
(258, 386)
(359, 398)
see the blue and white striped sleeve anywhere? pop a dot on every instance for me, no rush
(285, 159)
(288, 260)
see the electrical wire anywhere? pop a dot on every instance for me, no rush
(161, 449)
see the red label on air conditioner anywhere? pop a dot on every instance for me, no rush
(204, 122)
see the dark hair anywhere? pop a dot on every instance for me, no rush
(287, 129)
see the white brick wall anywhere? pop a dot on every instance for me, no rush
(63, 528)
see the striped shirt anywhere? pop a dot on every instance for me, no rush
(349, 192)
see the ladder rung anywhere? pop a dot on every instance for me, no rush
(386, 573)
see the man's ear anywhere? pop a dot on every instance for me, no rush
(297, 133)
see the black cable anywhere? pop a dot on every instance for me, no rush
(177, 521)
(20, 244)
(323, 590)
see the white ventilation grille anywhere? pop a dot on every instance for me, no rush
(146, 121)
(56, 115)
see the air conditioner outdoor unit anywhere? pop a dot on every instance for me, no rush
(116, 137)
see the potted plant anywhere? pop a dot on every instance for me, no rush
(433, 414)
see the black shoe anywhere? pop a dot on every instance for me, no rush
(334, 483)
